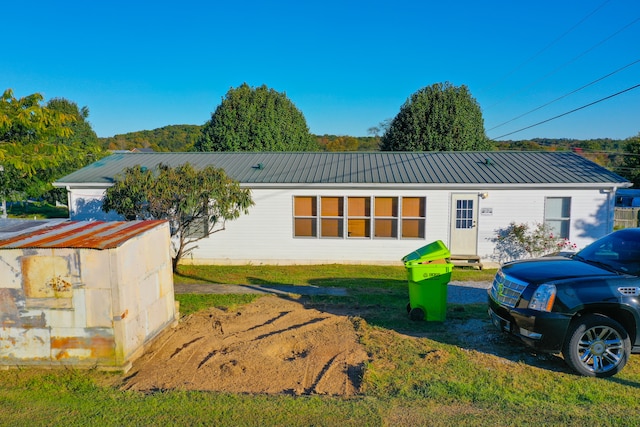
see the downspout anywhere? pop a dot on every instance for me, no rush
(610, 211)
(4, 200)
(611, 198)
(68, 199)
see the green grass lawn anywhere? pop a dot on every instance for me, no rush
(36, 210)
(419, 373)
(336, 275)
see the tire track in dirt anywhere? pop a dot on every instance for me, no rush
(274, 345)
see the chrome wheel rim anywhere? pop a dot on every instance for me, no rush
(600, 349)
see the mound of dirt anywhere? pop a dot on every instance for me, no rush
(274, 345)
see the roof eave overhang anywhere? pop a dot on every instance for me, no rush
(69, 185)
(440, 186)
(393, 186)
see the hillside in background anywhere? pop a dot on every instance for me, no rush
(181, 138)
(606, 152)
(174, 138)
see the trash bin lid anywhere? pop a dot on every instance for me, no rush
(434, 250)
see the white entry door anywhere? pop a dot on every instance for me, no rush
(464, 230)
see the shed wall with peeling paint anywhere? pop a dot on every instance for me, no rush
(85, 294)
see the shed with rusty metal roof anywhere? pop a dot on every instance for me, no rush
(83, 293)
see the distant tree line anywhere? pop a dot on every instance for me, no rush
(173, 138)
(181, 138)
(606, 152)
(42, 142)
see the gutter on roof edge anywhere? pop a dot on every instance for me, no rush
(394, 186)
(456, 186)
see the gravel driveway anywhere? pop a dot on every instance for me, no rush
(467, 292)
(457, 292)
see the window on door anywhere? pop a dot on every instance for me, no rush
(464, 213)
(557, 215)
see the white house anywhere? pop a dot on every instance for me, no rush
(377, 207)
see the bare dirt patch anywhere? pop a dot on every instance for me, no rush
(273, 345)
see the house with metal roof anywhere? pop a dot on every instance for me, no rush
(376, 207)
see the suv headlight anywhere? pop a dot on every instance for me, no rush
(543, 298)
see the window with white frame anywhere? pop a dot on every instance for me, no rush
(331, 217)
(197, 228)
(557, 215)
(464, 214)
(305, 216)
(414, 211)
(386, 217)
(360, 216)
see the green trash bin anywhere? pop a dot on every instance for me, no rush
(428, 273)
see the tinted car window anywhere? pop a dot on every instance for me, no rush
(619, 251)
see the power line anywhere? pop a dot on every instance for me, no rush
(569, 112)
(565, 95)
(556, 40)
(601, 42)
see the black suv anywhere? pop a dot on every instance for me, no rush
(585, 305)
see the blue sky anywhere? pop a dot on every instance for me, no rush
(347, 65)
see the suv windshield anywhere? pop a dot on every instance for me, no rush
(619, 251)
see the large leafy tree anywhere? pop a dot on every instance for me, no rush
(82, 144)
(81, 132)
(256, 119)
(26, 120)
(196, 203)
(29, 147)
(440, 117)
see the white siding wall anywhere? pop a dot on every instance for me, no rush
(265, 235)
(85, 204)
(591, 214)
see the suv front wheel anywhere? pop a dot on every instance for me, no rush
(596, 346)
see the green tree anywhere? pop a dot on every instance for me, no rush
(197, 203)
(630, 168)
(343, 143)
(25, 120)
(440, 117)
(256, 119)
(28, 147)
(82, 134)
(82, 143)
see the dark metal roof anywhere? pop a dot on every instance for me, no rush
(79, 234)
(460, 167)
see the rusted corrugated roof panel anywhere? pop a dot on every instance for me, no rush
(80, 234)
